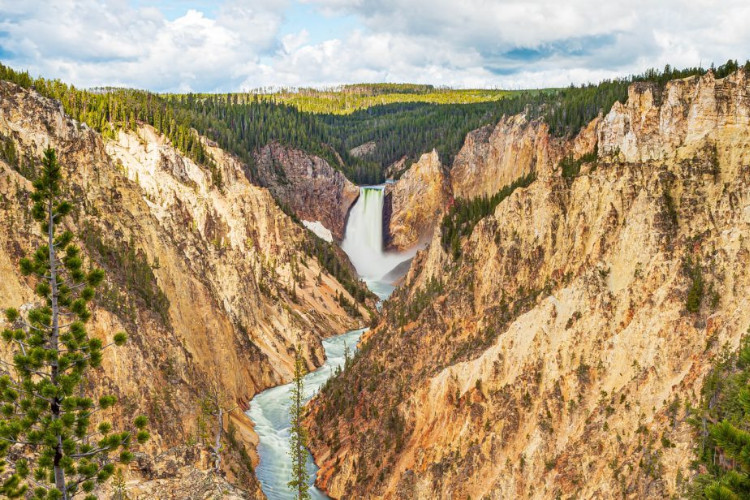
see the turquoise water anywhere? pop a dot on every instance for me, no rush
(269, 411)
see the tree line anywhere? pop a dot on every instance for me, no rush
(243, 123)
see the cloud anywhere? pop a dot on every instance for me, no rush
(577, 37)
(244, 43)
(94, 43)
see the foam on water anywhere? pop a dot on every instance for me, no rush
(269, 410)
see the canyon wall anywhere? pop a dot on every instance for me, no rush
(414, 204)
(308, 185)
(493, 157)
(557, 357)
(214, 286)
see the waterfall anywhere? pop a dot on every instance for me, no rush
(269, 410)
(363, 241)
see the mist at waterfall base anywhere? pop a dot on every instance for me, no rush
(269, 410)
(363, 241)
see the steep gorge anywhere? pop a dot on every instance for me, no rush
(415, 203)
(556, 356)
(213, 285)
(308, 185)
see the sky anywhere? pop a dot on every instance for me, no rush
(233, 45)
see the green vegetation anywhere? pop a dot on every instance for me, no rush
(695, 294)
(350, 98)
(135, 271)
(109, 110)
(421, 299)
(723, 428)
(407, 130)
(326, 254)
(298, 439)
(572, 167)
(465, 214)
(350, 308)
(402, 120)
(44, 415)
(670, 205)
(244, 123)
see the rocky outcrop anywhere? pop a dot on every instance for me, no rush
(556, 358)
(414, 204)
(307, 185)
(212, 285)
(192, 464)
(363, 149)
(396, 168)
(493, 157)
(655, 123)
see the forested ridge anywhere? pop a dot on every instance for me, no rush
(347, 99)
(411, 125)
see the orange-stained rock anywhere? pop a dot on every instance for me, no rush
(240, 286)
(557, 352)
(415, 203)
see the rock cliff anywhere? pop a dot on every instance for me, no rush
(212, 285)
(414, 204)
(310, 187)
(557, 357)
(493, 157)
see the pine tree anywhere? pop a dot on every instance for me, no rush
(723, 452)
(347, 356)
(45, 421)
(216, 405)
(298, 443)
(120, 487)
(735, 443)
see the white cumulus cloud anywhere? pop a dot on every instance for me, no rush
(245, 43)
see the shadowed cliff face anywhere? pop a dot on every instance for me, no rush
(308, 185)
(212, 286)
(557, 356)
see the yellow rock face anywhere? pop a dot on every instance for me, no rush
(416, 203)
(558, 359)
(492, 158)
(241, 289)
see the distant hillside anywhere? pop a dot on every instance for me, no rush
(350, 98)
(402, 120)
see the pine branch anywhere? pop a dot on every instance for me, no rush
(15, 441)
(97, 451)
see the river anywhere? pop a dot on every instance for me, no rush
(269, 410)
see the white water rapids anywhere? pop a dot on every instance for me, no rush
(269, 410)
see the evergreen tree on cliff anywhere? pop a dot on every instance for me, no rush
(51, 448)
(723, 424)
(298, 444)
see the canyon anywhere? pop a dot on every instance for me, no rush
(551, 347)
(214, 286)
(555, 357)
